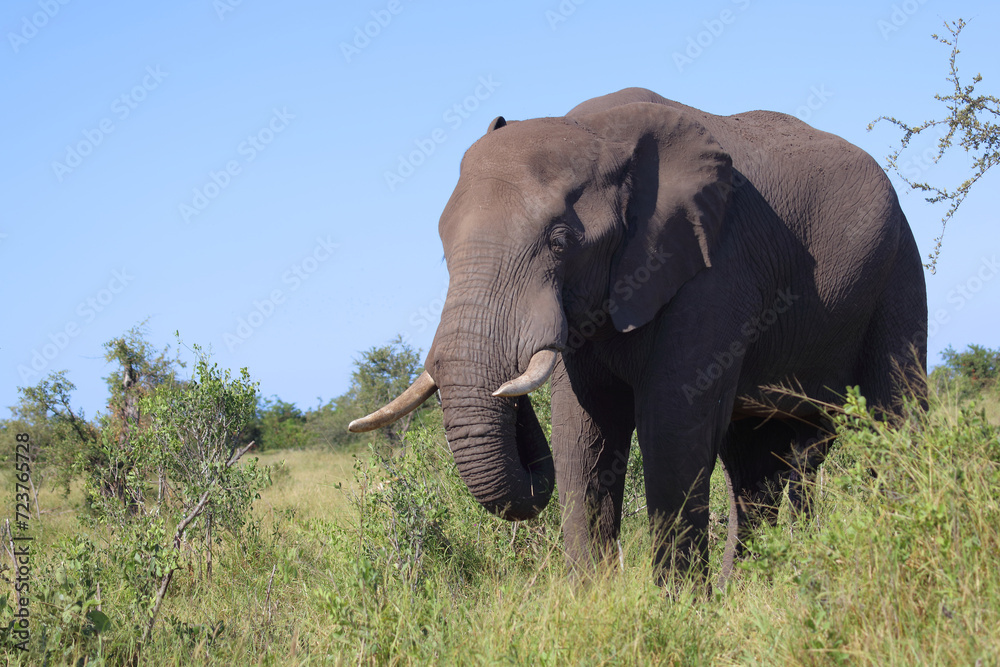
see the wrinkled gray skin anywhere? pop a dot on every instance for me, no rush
(679, 261)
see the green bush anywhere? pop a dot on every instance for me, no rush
(416, 538)
(276, 424)
(899, 561)
(970, 374)
(65, 604)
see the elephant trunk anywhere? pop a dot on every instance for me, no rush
(483, 372)
(499, 449)
(493, 346)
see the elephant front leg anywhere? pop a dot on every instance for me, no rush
(592, 425)
(677, 496)
(679, 448)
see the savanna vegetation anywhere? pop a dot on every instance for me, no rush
(195, 523)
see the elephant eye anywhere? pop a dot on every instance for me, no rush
(559, 239)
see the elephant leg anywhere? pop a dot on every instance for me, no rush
(893, 355)
(592, 425)
(809, 450)
(760, 456)
(677, 473)
(755, 455)
(679, 449)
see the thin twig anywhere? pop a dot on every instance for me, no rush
(979, 136)
(267, 601)
(34, 493)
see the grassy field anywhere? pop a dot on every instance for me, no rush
(308, 482)
(387, 560)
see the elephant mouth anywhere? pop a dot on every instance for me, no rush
(538, 372)
(499, 447)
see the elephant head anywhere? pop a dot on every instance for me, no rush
(585, 224)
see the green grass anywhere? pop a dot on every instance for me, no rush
(902, 567)
(308, 482)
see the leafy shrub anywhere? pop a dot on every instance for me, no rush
(175, 482)
(66, 619)
(907, 524)
(417, 532)
(417, 516)
(276, 424)
(970, 373)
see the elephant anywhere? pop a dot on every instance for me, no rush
(665, 268)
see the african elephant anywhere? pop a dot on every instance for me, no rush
(663, 265)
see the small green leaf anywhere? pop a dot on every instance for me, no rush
(100, 620)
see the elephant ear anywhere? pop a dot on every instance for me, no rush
(678, 180)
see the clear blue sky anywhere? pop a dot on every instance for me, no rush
(192, 163)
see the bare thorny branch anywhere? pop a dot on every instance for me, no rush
(969, 117)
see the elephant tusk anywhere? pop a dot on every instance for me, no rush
(539, 370)
(418, 392)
